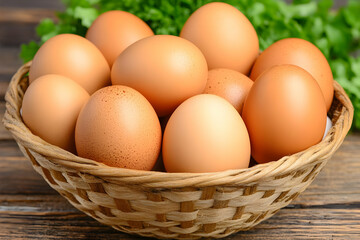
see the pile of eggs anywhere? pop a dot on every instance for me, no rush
(204, 101)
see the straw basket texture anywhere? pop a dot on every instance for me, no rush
(175, 205)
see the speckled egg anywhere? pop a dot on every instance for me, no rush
(230, 85)
(119, 127)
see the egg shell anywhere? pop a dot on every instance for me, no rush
(230, 85)
(205, 134)
(285, 113)
(224, 35)
(166, 69)
(301, 53)
(328, 126)
(50, 108)
(74, 57)
(113, 31)
(119, 127)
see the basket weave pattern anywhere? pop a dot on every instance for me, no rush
(175, 205)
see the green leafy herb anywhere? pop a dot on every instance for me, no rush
(335, 33)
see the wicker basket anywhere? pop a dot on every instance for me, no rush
(175, 205)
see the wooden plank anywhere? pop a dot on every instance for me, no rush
(4, 133)
(14, 34)
(17, 26)
(3, 87)
(9, 62)
(25, 4)
(36, 204)
(32, 15)
(287, 224)
(59, 226)
(339, 181)
(17, 175)
(314, 223)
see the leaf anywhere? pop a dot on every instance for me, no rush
(302, 10)
(351, 13)
(86, 15)
(355, 67)
(28, 51)
(46, 26)
(323, 45)
(316, 27)
(324, 6)
(356, 103)
(340, 68)
(77, 3)
(338, 39)
(349, 86)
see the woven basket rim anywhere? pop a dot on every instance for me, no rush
(13, 122)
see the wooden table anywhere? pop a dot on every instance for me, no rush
(29, 208)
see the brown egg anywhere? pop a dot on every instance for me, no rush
(205, 134)
(285, 113)
(74, 57)
(224, 35)
(230, 85)
(301, 53)
(50, 108)
(165, 69)
(119, 127)
(113, 31)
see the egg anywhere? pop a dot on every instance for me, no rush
(74, 57)
(113, 31)
(230, 85)
(119, 127)
(205, 134)
(285, 113)
(50, 107)
(224, 35)
(166, 69)
(301, 53)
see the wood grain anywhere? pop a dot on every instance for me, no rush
(339, 182)
(3, 86)
(17, 26)
(38, 4)
(4, 133)
(9, 63)
(314, 223)
(25, 15)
